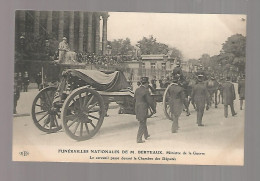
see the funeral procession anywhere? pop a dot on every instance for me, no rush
(115, 79)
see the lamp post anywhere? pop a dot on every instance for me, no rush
(22, 42)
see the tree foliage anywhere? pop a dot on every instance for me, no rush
(236, 44)
(176, 54)
(151, 46)
(121, 46)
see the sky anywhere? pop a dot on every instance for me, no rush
(192, 34)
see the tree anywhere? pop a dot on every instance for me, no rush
(176, 54)
(205, 60)
(121, 46)
(151, 46)
(236, 44)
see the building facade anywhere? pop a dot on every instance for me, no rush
(82, 29)
(157, 62)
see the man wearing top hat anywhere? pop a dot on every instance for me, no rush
(200, 97)
(229, 96)
(176, 102)
(143, 101)
(63, 48)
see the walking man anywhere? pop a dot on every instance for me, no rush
(143, 101)
(229, 96)
(241, 90)
(200, 97)
(176, 102)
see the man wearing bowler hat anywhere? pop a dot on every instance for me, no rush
(176, 101)
(143, 101)
(200, 97)
(229, 96)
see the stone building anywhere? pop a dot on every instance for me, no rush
(82, 29)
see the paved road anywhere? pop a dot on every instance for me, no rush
(119, 131)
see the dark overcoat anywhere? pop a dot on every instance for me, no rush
(143, 100)
(241, 88)
(200, 95)
(176, 99)
(229, 94)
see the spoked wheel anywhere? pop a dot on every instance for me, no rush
(166, 106)
(82, 113)
(44, 115)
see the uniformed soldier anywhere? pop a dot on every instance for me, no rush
(200, 97)
(241, 90)
(177, 70)
(38, 80)
(143, 101)
(229, 96)
(26, 82)
(176, 101)
(200, 71)
(20, 81)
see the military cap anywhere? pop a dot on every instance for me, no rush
(144, 80)
(228, 78)
(200, 77)
(175, 79)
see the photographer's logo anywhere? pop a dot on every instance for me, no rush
(24, 153)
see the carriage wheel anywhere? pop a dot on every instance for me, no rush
(44, 116)
(82, 113)
(166, 106)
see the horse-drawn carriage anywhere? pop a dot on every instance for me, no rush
(79, 103)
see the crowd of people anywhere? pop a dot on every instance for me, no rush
(64, 55)
(199, 89)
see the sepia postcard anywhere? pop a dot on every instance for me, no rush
(129, 87)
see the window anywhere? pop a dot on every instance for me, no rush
(152, 65)
(143, 65)
(163, 66)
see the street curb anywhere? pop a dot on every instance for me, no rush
(21, 115)
(28, 114)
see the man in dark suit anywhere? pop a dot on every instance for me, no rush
(200, 97)
(176, 102)
(143, 101)
(241, 90)
(229, 96)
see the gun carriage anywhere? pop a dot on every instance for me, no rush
(80, 101)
